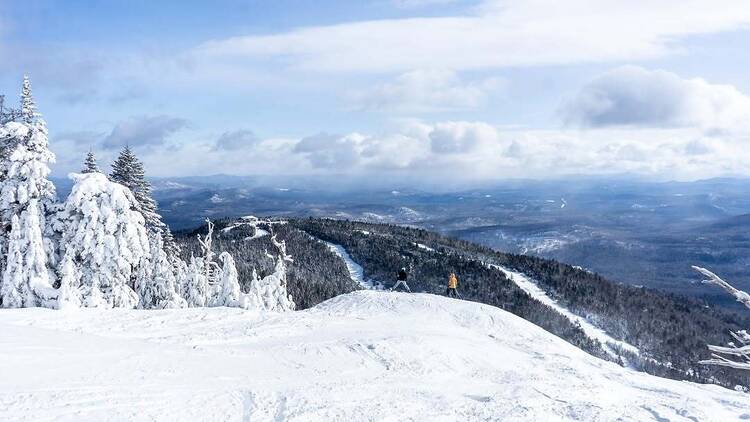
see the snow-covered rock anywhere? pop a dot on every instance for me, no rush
(367, 355)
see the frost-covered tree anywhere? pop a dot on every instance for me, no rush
(89, 164)
(196, 288)
(68, 296)
(156, 285)
(26, 198)
(28, 105)
(270, 293)
(107, 238)
(736, 354)
(202, 272)
(171, 247)
(227, 284)
(210, 267)
(128, 171)
(26, 279)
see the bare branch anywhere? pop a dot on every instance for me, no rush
(741, 296)
(740, 355)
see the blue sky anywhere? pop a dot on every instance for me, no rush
(406, 88)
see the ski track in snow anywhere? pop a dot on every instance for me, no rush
(364, 356)
(533, 289)
(356, 272)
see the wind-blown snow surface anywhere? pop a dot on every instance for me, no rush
(367, 355)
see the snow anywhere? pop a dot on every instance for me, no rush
(363, 356)
(253, 222)
(356, 273)
(258, 233)
(533, 289)
(425, 247)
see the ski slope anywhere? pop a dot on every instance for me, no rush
(356, 273)
(594, 332)
(365, 356)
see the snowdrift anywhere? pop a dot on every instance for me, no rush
(363, 356)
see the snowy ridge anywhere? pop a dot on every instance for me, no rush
(367, 355)
(533, 289)
(253, 222)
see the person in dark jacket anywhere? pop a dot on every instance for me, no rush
(401, 280)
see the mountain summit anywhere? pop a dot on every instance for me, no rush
(367, 355)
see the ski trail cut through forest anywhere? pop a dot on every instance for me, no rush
(355, 270)
(532, 288)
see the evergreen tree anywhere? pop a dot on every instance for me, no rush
(196, 284)
(26, 199)
(171, 247)
(26, 279)
(128, 171)
(28, 106)
(69, 297)
(156, 285)
(89, 165)
(228, 285)
(106, 235)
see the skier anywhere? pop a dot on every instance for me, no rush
(452, 286)
(401, 281)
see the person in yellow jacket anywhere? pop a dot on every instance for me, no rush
(452, 286)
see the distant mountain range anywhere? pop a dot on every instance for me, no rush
(634, 231)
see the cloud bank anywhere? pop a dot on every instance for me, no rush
(495, 34)
(635, 96)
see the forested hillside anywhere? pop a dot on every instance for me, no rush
(670, 332)
(314, 275)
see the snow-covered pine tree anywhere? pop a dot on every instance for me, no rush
(106, 235)
(89, 164)
(227, 284)
(196, 288)
(171, 248)
(68, 296)
(128, 171)
(156, 285)
(24, 169)
(28, 105)
(26, 279)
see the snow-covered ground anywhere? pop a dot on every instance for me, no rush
(253, 222)
(533, 289)
(356, 273)
(367, 355)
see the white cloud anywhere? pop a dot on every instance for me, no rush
(455, 152)
(146, 131)
(461, 137)
(635, 96)
(499, 33)
(236, 140)
(424, 91)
